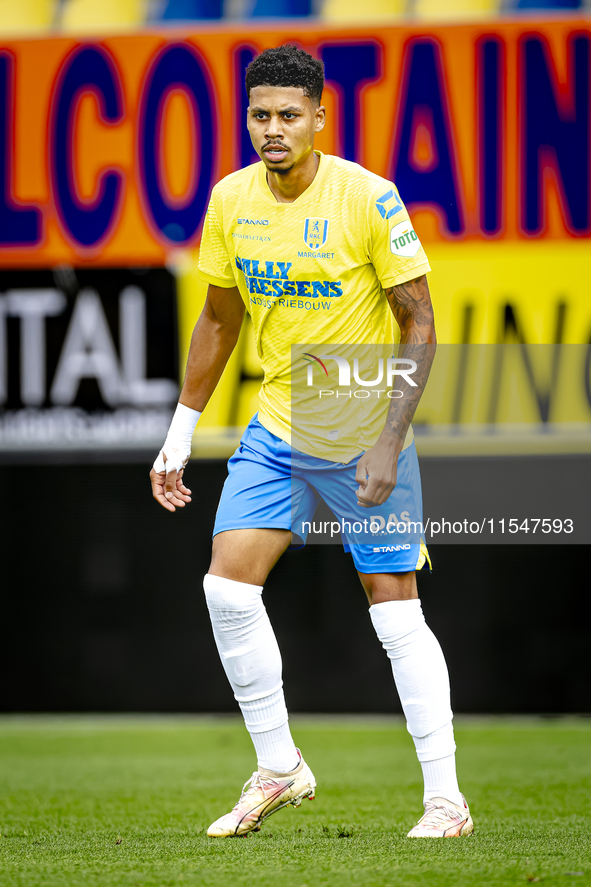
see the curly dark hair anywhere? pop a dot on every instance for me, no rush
(287, 66)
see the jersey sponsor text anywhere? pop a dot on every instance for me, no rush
(271, 279)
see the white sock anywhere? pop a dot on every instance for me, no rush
(422, 681)
(438, 762)
(252, 662)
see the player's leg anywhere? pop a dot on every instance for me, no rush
(419, 671)
(257, 491)
(241, 562)
(422, 681)
(386, 557)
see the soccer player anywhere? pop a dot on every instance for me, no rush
(318, 249)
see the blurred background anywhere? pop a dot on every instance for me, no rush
(117, 117)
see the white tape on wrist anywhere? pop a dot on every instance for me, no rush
(176, 451)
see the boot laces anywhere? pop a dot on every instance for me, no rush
(438, 815)
(255, 782)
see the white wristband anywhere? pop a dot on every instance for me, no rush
(176, 451)
(183, 424)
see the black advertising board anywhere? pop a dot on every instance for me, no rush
(88, 361)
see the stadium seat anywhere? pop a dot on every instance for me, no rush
(27, 16)
(455, 9)
(100, 14)
(185, 10)
(370, 10)
(281, 8)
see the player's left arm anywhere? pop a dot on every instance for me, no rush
(411, 306)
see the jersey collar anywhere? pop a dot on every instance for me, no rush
(311, 191)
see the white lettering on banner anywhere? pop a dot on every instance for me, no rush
(133, 339)
(88, 349)
(3, 354)
(32, 307)
(88, 352)
(74, 428)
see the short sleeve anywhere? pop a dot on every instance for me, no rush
(395, 249)
(214, 264)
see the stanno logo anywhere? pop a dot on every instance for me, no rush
(386, 548)
(315, 233)
(253, 221)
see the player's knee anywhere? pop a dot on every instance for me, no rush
(227, 594)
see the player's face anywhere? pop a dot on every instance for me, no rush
(282, 123)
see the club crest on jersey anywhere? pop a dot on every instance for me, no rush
(315, 233)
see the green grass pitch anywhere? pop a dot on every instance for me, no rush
(89, 801)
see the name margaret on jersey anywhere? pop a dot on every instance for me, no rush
(271, 279)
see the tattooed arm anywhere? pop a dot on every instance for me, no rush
(411, 306)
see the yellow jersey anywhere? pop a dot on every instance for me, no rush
(312, 271)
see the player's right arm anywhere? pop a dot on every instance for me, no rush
(213, 340)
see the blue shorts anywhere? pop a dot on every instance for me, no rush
(270, 485)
